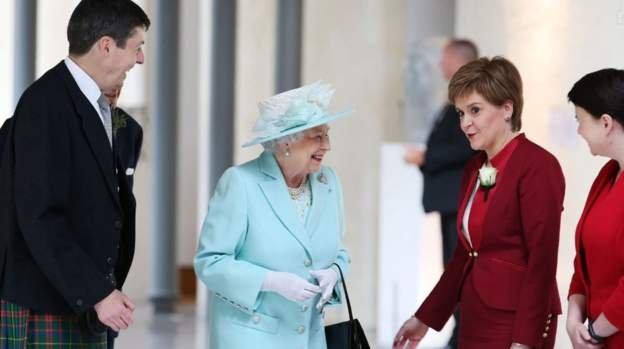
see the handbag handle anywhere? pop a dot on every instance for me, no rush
(344, 287)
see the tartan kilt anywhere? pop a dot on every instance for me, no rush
(22, 328)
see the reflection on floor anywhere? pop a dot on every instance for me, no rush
(182, 330)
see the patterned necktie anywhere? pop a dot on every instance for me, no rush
(106, 117)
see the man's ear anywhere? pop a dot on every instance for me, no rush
(105, 44)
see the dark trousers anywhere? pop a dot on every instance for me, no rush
(449, 243)
(111, 338)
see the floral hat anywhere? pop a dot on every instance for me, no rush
(294, 111)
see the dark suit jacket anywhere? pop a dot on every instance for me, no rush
(4, 130)
(447, 152)
(515, 265)
(65, 212)
(4, 134)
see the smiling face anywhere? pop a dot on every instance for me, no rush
(306, 155)
(593, 130)
(486, 125)
(117, 61)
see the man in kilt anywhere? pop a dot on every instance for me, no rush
(67, 210)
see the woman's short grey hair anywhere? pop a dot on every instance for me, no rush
(273, 144)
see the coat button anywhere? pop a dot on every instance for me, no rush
(547, 328)
(255, 319)
(548, 321)
(549, 316)
(79, 302)
(304, 308)
(109, 260)
(544, 335)
(301, 329)
(118, 225)
(307, 263)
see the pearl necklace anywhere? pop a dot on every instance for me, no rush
(295, 193)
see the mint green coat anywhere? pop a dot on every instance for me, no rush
(252, 227)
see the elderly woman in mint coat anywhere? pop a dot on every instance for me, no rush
(273, 234)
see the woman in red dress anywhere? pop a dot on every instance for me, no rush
(597, 287)
(502, 275)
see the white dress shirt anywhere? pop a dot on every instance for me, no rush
(86, 84)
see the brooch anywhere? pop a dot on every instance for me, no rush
(321, 178)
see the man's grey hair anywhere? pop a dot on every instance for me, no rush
(272, 145)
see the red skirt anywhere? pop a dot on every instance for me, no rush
(483, 327)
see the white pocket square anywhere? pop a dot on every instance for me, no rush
(129, 171)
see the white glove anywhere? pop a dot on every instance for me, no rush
(327, 279)
(290, 286)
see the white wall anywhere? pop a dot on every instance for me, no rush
(6, 59)
(359, 47)
(553, 43)
(255, 68)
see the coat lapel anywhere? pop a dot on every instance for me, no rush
(601, 181)
(321, 192)
(467, 192)
(276, 193)
(94, 131)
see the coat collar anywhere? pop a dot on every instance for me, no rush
(275, 190)
(94, 131)
(501, 194)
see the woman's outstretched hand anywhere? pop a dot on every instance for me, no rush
(410, 334)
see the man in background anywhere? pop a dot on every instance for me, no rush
(443, 160)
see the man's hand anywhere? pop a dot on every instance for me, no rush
(115, 311)
(414, 156)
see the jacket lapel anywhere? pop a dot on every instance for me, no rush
(276, 193)
(321, 192)
(467, 192)
(601, 181)
(94, 132)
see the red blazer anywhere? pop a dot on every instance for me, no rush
(607, 292)
(515, 265)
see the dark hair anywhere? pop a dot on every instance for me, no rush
(93, 19)
(600, 92)
(464, 48)
(496, 79)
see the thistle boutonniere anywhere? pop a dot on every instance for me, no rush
(487, 176)
(119, 120)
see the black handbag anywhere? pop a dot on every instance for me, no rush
(347, 334)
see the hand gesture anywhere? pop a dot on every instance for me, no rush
(290, 286)
(327, 279)
(410, 334)
(115, 311)
(579, 335)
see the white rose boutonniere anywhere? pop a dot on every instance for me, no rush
(487, 176)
